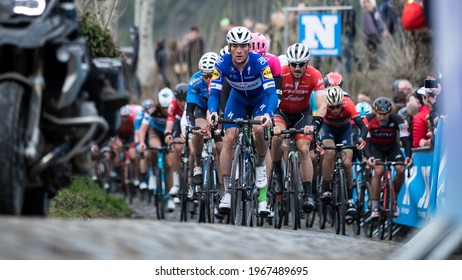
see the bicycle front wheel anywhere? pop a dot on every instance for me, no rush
(339, 197)
(235, 214)
(294, 193)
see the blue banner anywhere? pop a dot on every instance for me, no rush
(423, 192)
(321, 33)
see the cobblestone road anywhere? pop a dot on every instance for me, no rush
(144, 237)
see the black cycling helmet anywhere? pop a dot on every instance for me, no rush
(383, 105)
(181, 90)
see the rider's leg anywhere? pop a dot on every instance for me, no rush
(306, 171)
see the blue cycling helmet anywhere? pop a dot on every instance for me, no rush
(147, 103)
(363, 108)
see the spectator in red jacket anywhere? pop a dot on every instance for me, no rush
(421, 134)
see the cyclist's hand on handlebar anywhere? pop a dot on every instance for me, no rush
(266, 121)
(142, 147)
(197, 131)
(371, 161)
(308, 129)
(408, 162)
(168, 138)
(213, 119)
(276, 130)
(360, 144)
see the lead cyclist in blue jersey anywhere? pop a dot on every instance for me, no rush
(253, 89)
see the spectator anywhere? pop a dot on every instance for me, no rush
(161, 55)
(401, 89)
(174, 60)
(349, 30)
(363, 97)
(277, 27)
(387, 13)
(248, 23)
(372, 29)
(195, 50)
(225, 25)
(421, 135)
(416, 14)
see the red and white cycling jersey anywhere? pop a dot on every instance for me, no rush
(174, 110)
(296, 98)
(347, 112)
(126, 127)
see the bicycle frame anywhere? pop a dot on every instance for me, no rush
(387, 201)
(160, 191)
(289, 200)
(244, 192)
(209, 186)
(339, 189)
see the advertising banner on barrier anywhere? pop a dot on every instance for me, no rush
(414, 198)
(423, 192)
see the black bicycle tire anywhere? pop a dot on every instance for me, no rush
(343, 202)
(335, 201)
(232, 188)
(294, 187)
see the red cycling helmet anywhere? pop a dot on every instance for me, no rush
(333, 79)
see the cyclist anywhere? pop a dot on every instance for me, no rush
(333, 79)
(337, 129)
(253, 89)
(224, 50)
(154, 124)
(299, 81)
(126, 133)
(260, 46)
(143, 166)
(382, 143)
(173, 133)
(198, 94)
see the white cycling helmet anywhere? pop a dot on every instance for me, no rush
(239, 35)
(207, 62)
(363, 108)
(283, 60)
(297, 53)
(125, 110)
(334, 96)
(165, 97)
(224, 50)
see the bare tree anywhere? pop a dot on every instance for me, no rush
(144, 19)
(106, 13)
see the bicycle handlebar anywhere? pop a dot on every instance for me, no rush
(393, 163)
(339, 147)
(240, 122)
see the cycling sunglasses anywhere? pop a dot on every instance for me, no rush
(207, 75)
(336, 106)
(300, 64)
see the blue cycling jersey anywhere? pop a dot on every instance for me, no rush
(138, 120)
(255, 79)
(198, 91)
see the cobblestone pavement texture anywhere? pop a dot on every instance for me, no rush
(144, 237)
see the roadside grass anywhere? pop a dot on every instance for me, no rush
(85, 199)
